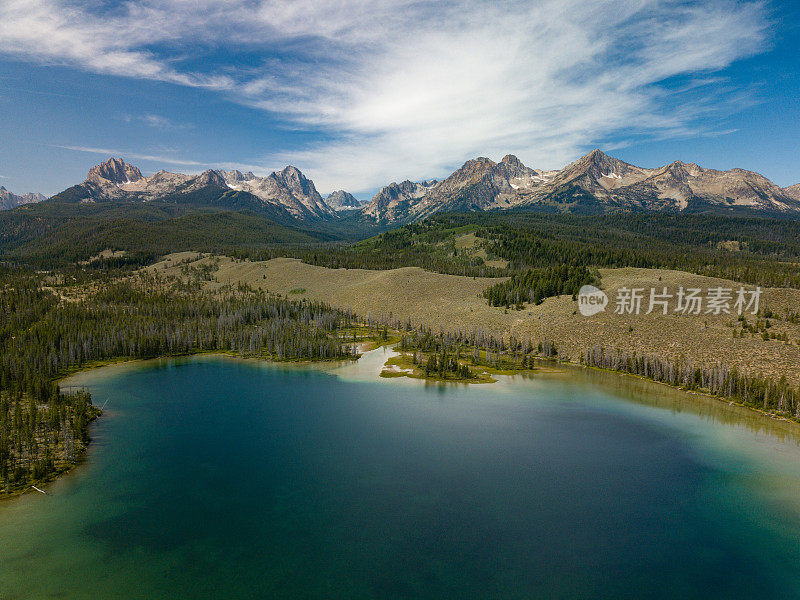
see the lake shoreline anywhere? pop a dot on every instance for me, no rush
(66, 381)
(364, 348)
(727, 400)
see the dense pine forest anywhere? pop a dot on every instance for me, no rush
(756, 251)
(534, 285)
(51, 235)
(43, 430)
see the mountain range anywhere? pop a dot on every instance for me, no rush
(595, 183)
(9, 200)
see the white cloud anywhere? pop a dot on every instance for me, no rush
(404, 88)
(188, 166)
(107, 152)
(156, 121)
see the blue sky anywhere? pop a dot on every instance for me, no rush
(358, 93)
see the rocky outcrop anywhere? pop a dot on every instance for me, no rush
(115, 171)
(397, 201)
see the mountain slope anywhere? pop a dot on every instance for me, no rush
(481, 184)
(60, 232)
(397, 201)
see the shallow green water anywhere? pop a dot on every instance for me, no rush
(216, 478)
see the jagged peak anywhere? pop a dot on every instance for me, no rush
(403, 184)
(11, 200)
(291, 175)
(340, 199)
(482, 160)
(598, 157)
(512, 160)
(297, 184)
(210, 177)
(236, 176)
(292, 171)
(683, 168)
(114, 170)
(598, 164)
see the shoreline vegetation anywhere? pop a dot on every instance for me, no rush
(473, 358)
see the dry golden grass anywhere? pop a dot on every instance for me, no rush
(704, 338)
(452, 302)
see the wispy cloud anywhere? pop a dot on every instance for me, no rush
(405, 88)
(193, 165)
(157, 121)
(108, 152)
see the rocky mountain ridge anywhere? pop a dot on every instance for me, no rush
(288, 187)
(593, 183)
(9, 200)
(793, 191)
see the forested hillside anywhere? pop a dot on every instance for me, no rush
(528, 247)
(51, 234)
(45, 334)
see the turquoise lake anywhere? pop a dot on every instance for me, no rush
(212, 477)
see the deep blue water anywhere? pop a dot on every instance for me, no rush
(215, 478)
